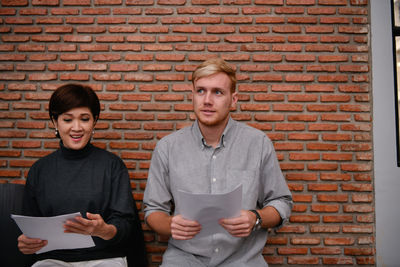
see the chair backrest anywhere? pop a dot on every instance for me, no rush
(11, 197)
(137, 256)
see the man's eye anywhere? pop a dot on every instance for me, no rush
(218, 92)
(200, 91)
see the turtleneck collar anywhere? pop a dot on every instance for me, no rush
(75, 154)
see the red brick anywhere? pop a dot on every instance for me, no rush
(337, 261)
(125, 106)
(322, 187)
(322, 166)
(14, 2)
(91, 29)
(268, 117)
(302, 176)
(21, 163)
(295, 10)
(338, 219)
(289, 251)
(359, 251)
(304, 219)
(10, 173)
(288, 67)
(287, 107)
(10, 153)
(305, 241)
(76, 2)
(332, 198)
(288, 146)
(365, 260)
(339, 241)
(325, 229)
(357, 229)
(325, 250)
(308, 118)
(302, 198)
(303, 260)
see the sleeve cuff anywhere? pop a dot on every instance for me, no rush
(283, 207)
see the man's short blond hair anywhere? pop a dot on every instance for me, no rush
(212, 66)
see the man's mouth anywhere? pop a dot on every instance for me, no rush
(207, 111)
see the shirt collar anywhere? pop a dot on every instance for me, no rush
(75, 154)
(224, 138)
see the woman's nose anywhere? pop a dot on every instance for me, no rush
(76, 125)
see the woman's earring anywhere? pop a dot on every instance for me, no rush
(93, 132)
(56, 132)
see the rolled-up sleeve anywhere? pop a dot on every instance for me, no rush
(157, 196)
(275, 190)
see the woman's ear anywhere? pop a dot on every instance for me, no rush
(54, 121)
(95, 121)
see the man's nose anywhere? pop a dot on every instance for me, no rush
(208, 98)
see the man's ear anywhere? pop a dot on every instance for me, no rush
(234, 99)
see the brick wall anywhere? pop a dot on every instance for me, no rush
(304, 78)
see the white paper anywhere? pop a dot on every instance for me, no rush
(208, 209)
(52, 230)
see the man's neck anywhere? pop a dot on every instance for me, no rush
(212, 134)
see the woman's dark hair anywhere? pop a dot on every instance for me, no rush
(70, 96)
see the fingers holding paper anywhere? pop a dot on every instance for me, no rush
(30, 245)
(239, 226)
(93, 225)
(183, 229)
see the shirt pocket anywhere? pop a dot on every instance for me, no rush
(190, 179)
(250, 186)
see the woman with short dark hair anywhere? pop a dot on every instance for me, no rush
(79, 177)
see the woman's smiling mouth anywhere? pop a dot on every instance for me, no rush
(76, 138)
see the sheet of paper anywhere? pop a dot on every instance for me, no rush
(208, 209)
(51, 229)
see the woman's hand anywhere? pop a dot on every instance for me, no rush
(94, 225)
(30, 245)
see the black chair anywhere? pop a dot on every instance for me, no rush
(137, 256)
(11, 196)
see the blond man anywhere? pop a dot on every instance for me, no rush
(215, 155)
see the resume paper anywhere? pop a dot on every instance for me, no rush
(52, 230)
(208, 209)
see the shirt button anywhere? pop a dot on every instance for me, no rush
(214, 180)
(214, 157)
(216, 250)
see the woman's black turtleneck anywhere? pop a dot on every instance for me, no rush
(87, 180)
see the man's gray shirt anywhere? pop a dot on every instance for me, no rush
(183, 161)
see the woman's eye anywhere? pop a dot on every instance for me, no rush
(67, 120)
(85, 119)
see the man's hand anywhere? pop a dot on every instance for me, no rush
(94, 225)
(182, 229)
(30, 245)
(240, 226)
